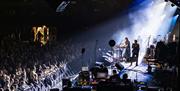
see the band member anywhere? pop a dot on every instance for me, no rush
(127, 52)
(160, 51)
(135, 51)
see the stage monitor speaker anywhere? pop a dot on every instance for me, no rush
(54, 89)
(84, 75)
(79, 89)
(66, 83)
(153, 89)
(119, 66)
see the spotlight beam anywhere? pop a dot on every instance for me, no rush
(152, 20)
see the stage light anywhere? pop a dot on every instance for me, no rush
(62, 6)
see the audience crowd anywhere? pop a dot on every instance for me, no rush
(26, 65)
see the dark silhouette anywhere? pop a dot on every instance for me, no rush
(135, 51)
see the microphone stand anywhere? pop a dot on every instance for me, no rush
(95, 52)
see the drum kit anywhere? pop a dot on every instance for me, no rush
(118, 52)
(115, 54)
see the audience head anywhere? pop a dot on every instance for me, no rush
(13, 88)
(1, 89)
(126, 38)
(125, 76)
(135, 41)
(101, 66)
(114, 72)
